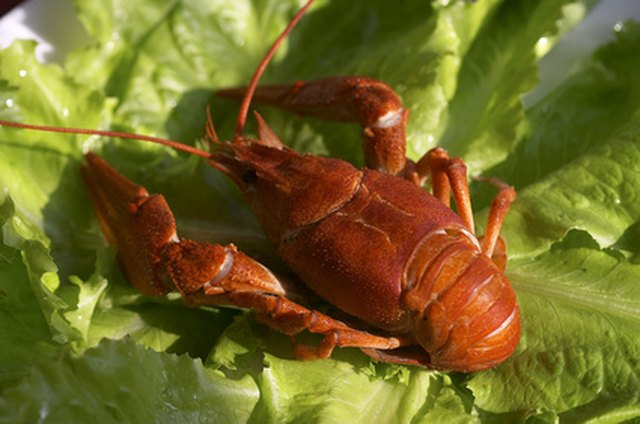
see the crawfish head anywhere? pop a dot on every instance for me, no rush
(283, 187)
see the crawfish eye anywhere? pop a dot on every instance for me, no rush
(249, 176)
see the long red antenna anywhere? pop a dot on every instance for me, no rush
(251, 88)
(117, 134)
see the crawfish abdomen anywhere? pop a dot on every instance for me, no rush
(466, 314)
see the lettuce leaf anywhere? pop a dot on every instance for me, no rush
(78, 342)
(122, 381)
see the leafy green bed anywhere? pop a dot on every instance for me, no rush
(78, 344)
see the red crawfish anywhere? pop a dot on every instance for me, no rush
(417, 285)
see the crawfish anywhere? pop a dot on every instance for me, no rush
(421, 288)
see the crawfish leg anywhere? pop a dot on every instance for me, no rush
(291, 318)
(448, 175)
(492, 245)
(244, 283)
(352, 99)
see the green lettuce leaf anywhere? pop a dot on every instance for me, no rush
(122, 381)
(75, 336)
(348, 387)
(573, 238)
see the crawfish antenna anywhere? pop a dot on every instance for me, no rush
(117, 134)
(251, 88)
